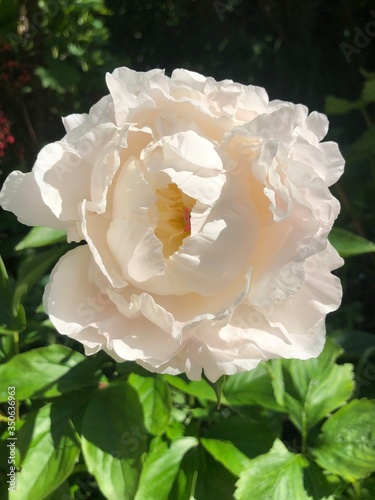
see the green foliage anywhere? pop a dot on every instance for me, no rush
(12, 314)
(48, 372)
(114, 440)
(160, 469)
(346, 446)
(88, 427)
(316, 387)
(275, 475)
(48, 450)
(348, 244)
(41, 237)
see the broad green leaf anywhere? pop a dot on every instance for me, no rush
(315, 387)
(348, 244)
(251, 437)
(316, 483)
(251, 388)
(40, 237)
(227, 454)
(213, 481)
(48, 372)
(114, 440)
(160, 469)
(154, 395)
(275, 475)
(337, 106)
(346, 445)
(48, 450)
(184, 485)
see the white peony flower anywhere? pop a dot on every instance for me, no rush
(206, 211)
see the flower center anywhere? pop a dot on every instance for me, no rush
(174, 209)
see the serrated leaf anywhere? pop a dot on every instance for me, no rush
(275, 475)
(348, 244)
(316, 387)
(227, 454)
(47, 372)
(48, 450)
(114, 440)
(346, 445)
(40, 237)
(160, 469)
(251, 388)
(156, 400)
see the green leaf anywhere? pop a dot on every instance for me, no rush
(160, 469)
(275, 370)
(348, 244)
(114, 440)
(154, 395)
(48, 450)
(346, 445)
(275, 475)
(368, 488)
(200, 389)
(316, 483)
(40, 237)
(12, 316)
(368, 92)
(363, 149)
(60, 76)
(315, 387)
(251, 437)
(185, 482)
(32, 269)
(218, 387)
(213, 481)
(48, 372)
(354, 342)
(251, 388)
(337, 106)
(227, 454)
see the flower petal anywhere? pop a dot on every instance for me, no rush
(21, 195)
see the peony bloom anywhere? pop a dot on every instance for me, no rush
(205, 210)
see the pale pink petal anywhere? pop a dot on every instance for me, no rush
(70, 300)
(22, 196)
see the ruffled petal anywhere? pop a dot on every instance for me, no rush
(71, 301)
(21, 195)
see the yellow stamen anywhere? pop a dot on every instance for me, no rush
(174, 209)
